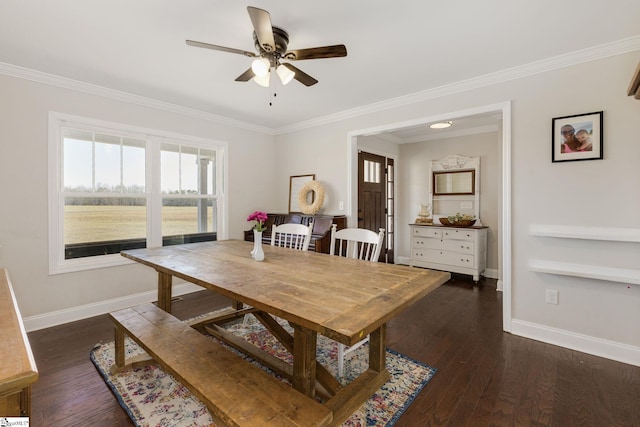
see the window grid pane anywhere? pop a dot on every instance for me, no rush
(104, 207)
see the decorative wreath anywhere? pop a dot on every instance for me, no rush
(318, 199)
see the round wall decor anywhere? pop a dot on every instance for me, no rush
(318, 199)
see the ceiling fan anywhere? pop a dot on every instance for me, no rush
(271, 43)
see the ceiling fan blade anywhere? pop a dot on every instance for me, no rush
(262, 26)
(246, 76)
(300, 75)
(334, 51)
(221, 48)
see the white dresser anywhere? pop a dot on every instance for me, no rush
(456, 249)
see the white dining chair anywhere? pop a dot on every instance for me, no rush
(361, 244)
(293, 236)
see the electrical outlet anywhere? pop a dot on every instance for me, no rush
(341, 205)
(552, 296)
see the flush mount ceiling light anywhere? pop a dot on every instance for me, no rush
(440, 125)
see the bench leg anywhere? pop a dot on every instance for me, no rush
(164, 291)
(25, 402)
(119, 347)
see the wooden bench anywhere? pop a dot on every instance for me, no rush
(236, 392)
(18, 369)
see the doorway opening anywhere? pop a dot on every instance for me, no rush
(503, 110)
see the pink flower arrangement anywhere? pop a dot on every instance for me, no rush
(260, 218)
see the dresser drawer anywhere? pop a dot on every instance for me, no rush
(427, 243)
(432, 232)
(459, 234)
(462, 246)
(444, 257)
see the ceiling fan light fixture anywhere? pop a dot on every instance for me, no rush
(262, 80)
(285, 74)
(440, 125)
(260, 67)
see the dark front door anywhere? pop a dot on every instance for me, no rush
(373, 180)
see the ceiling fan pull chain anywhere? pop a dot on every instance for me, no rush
(274, 92)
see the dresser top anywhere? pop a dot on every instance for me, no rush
(473, 227)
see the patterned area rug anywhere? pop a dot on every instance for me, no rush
(152, 397)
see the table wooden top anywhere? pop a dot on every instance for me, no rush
(341, 298)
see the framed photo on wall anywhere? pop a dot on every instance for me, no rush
(577, 137)
(295, 184)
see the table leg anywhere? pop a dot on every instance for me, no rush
(304, 360)
(357, 392)
(164, 291)
(377, 349)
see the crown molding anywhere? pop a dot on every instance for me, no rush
(561, 61)
(606, 50)
(66, 83)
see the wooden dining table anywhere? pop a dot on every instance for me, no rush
(341, 298)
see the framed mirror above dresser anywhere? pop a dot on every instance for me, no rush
(455, 187)
(454, 190)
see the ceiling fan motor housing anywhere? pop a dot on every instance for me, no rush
(281, 38)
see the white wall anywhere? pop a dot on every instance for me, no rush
(596, 316)
(24, 108)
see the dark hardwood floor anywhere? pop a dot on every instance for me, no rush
(485, 377)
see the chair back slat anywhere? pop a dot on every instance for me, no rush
(357, 243)
(292, 236)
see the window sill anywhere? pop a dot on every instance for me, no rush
(88, 263)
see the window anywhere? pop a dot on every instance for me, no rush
(114, 187)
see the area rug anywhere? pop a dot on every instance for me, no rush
(152, 397)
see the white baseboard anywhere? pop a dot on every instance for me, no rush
(491, 273)
(54, 318)
(403, 260)
(587, 344)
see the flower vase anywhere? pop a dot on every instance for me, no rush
(257, 253)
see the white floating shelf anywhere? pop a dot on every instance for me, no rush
(622, 275)
(588, 233)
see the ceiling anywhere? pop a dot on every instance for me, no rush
(394, 48)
